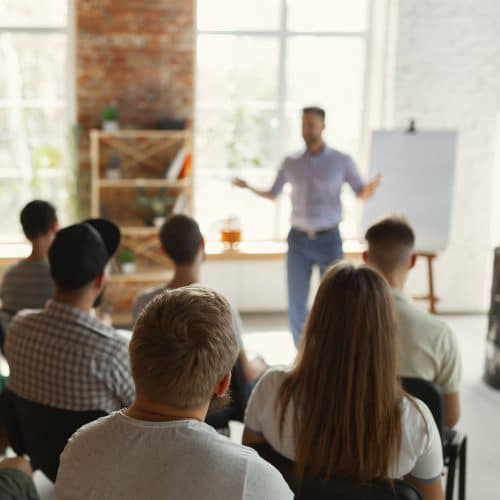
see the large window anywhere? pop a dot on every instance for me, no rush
(33, 107)
(258, 64)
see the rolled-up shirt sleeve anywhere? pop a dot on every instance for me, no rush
(352, 176)
(280, 181)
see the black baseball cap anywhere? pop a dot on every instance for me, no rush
(79, 253)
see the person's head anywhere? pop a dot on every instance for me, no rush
(183, 349)
(344, 381)
(39, 220)
(391, 242)
(313, 124)
(79, 255)
(181, 240)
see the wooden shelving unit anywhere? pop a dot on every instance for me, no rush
(144, 157)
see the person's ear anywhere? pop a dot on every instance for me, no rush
(413, 261)
(202, 249)
(55, 226)
(365, 257)
(100, 280)
(223, 385)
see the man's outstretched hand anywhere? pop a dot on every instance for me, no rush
(239, 183)
(370, 188)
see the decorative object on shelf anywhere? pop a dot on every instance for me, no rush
(113, 167)
(175, 166)
(155, 208)
(231, 232)
(167, 123)
(109, 117)
(127, 261)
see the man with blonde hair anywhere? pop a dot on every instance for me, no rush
(182, 351)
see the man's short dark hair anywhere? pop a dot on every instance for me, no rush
(390, 242)
(38, 218)
(315, 110)
(180, 237)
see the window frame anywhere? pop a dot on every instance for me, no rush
(283, 34)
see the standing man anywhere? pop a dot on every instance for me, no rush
(317, 176)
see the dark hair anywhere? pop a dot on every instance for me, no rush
(38, 218)
(390, 242)
(180, 237)
(391, 230)
(315, 110)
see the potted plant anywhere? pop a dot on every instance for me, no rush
(127, 261)
(109, 117)
(113, 167)
(155, 208)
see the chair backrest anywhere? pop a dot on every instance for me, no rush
(428, 392)
(336, 489)
(41, 431)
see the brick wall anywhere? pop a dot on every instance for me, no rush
(448, 76)
(138, 55)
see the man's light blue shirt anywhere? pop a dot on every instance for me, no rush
(317, 181)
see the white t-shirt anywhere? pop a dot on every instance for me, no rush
(118, 457)
(420, 454)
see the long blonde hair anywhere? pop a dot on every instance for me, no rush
(346, 395)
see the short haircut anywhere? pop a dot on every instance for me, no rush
(315, 110)
(182, 346)
(390, 243)
(180, 237)
(38, 218)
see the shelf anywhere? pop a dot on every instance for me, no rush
(137, 183)
(134, 134)
(161, 277)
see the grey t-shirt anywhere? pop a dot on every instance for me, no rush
(147, 296)
(26, 285)
(118, 457)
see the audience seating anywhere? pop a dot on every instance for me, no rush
(337, 489)
(454, 442)
(41, 431)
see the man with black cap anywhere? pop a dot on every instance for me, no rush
(61, 356)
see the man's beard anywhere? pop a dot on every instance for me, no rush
(98, 300)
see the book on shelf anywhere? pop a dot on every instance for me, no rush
(175, 167)
(186, 167)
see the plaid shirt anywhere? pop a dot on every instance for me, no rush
(64, 358)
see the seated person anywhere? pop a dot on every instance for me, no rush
(15, 480)
(340, 412)
(62, 356)
(183, 243)
(28, 284)
(428, 348)
(181, 353)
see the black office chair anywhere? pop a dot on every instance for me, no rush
(454, 442)
(41, 431)
(336, 489)
(239, 393)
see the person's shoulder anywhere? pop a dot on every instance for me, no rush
(415, 416)
(145, 297)
(294, 157)
(26, 317)
(95, 431)
(271, 380)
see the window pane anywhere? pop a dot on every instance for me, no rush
(33, 12)
(327, 15)
(238, 14)
(229, 143)
(232, 67)
(34, 67)
(336, 86)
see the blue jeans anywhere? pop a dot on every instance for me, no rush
(303, 254)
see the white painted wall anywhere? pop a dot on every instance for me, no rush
(447, 75)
